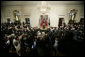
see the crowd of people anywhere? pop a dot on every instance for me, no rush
(24, 40)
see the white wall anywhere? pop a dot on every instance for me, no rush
(56, 12)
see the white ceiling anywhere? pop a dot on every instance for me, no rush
(21, 3)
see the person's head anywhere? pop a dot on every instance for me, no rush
(56, 39)
(12, 35)
(43, 32)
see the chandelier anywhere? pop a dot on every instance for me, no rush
(44, 7)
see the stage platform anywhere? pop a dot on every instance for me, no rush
(43, 29)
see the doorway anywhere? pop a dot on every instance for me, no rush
(61, 22)
(82, 21)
